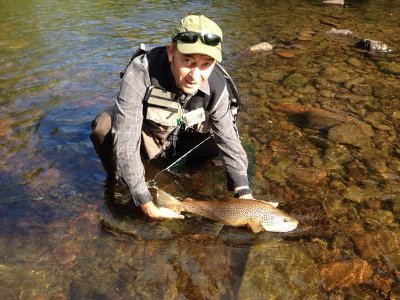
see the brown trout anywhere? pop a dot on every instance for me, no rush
(256, 214)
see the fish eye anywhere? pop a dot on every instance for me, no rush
(285, 220)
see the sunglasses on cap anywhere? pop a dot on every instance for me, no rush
(191, 37)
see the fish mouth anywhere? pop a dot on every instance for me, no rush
(286, 225)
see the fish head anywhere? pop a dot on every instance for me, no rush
(277, 221)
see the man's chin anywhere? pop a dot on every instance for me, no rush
(190, 90)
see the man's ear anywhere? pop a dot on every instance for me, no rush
(170, 52)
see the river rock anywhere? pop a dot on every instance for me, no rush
(395, 292)
(344, 32)
(294, 80)
(261, 47)
(350, 134)
(341, 274)
(383, 282)
(376, 219)
(355, 62)
(357, 170)
(395, 201)
(322, 119)
(362, 89)
(338, 154)
(278, 270)
(389, 67)
(385, 91)
(374, 244)
(396, 114)
(309, 177)
(285, 53)
(333, 2)
(371, 45)
(354, 193)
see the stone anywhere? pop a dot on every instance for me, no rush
(277, 268)
(309, 177)
(396, 114)
(344, 32)
(362, 89)
(333, 2)
(354, 193)
(371, 45)
(261, 47)
(386, 91)
(389, 67)
(295, 80)
(355, 62)
(383, 282)
(338, 154)
(350, 134)
(376, 219)
(285, 53)
(378, 244)
(341, 274)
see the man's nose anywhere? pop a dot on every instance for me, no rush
(195, 73)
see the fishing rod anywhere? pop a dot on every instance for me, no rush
(152, 182)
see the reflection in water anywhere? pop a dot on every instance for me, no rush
(320, 123)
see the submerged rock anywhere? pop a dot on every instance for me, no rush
(285, 53)
(350, 134)
(389, 67)
(277, 270)
(344, 32)
(377, 218)
(310, 177)
(295, 80)
(261, 47)
(379, 243)
(341, 274)
(334, 2)
(322, 119)
(354, 193)
(371, 45)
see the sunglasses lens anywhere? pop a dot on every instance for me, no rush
(211, 39)
(188, 37)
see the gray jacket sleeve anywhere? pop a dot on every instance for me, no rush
(126, 130)
(232, 154)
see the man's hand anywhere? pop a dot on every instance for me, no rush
(155, 212)
(247, 196)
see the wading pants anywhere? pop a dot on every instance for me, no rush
(103, 144)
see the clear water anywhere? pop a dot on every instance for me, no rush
(62, 236)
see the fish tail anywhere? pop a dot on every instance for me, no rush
(166, 200)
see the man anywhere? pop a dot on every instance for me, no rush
(166, 95)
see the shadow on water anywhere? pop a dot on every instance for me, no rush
(66, 234)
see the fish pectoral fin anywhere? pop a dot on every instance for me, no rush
(255, 225)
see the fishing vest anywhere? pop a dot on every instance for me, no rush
(164, 115)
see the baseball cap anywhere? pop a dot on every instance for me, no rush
(202, 25)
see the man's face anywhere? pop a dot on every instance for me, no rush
(190, 71)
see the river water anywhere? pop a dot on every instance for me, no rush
(320, 124)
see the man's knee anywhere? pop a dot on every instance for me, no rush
(101, 126)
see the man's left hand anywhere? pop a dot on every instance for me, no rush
(247, 196)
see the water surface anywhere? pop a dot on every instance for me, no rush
(65, 234)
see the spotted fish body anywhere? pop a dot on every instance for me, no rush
(256, 214)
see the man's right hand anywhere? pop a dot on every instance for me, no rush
(154, 212)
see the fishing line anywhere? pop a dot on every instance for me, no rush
(152, 182)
